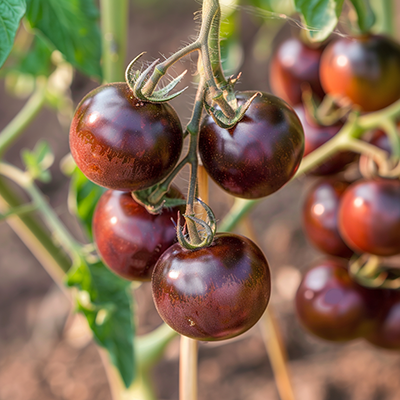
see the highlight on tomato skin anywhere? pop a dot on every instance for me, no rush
(294, 63)
(260, 154)
(364, 69)
(122, 143)
(330, 305)
(128, 238)
(320, 216)
(369, 216)
(212, 293)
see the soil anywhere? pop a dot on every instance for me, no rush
(45, 351)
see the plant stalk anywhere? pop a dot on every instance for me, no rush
(25, 116)
(114, 27)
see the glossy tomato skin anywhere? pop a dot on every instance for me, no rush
(213, 293)
(369, 217)
(387, 333)
(293, 64)
(259, 154)
(315, 136)
(365, 69)
(320, 217)
(128, 238)
(121, 143)
(332, 306)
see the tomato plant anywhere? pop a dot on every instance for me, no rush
(206, 283)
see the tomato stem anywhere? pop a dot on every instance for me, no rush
(25, 116)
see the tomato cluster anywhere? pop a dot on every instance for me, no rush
(345, 219)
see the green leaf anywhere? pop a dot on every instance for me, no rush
(11, 12)
(37, 61)
(106, 302)
(319, 16)
(365, 14)
(38, 161)
(277, 6)
(71, 26)
(83, 197)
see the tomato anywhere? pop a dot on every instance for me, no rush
(128, 238)
(332, 306)
(320, 211)
(121, 143)
(387, 334)
(369, 217)
(315, 136)
(364, 69)
(259, 154)
(212, 293)
(294, 63)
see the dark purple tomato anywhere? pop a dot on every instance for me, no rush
(293, 64)
(364, 69)
(381, 140)
(369, 217)
(259, 154)
(315, 136)
(121, 143)
(387, 334)
(128, 238)
(213, 293)
(320, 222)
(332, 306)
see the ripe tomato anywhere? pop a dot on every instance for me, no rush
(364, 69)
(121, 143)
(333, 307)
(315, 136)
(259, 154)
(212, 293)
(128, 238)
(293, 64)
(320, 222)
(369, 217)
(387, 333)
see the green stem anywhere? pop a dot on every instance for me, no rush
(53, 222)
(25, 116)
(114, 25)
(35, 236)
(18, 211)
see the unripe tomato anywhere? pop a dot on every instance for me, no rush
(364, 69)
(369, 216)
(128, 238)
(212, 293)
(259, 154)
(121, 143)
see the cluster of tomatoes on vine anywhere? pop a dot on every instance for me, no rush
(212, 289)
(350, 293)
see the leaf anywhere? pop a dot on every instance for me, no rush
(319, 16)
(37, 61)
(71, 26)
(106, 302)
(365, 14)
(11, 12)
(83, 197)
(38, 161)
(276, 6)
